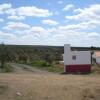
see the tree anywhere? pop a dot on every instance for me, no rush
(3, 55)
(49, 59)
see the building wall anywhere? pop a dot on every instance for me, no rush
(82, 57)
(98, 60)
(67, 54)
(86, 68)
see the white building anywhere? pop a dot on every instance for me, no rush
(76, 61)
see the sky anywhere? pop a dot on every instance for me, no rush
(50, 22)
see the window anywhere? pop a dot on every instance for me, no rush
(74, 57)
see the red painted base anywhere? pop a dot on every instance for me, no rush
(78, 68)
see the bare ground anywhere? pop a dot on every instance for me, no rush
(48, 86)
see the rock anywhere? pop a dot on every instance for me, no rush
(18, 93)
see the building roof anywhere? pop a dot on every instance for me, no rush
(80, 48)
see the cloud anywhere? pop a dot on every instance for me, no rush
(93, 35)
(33, 35)
(16, 26)
(6, 35)
(4, 7)
(23, 29)
(14, 17)
(50, 22)
(29, 11)
(84, 30)
(54, 36)
(20, 13)
(90, 13)
(33, 11)
(68, 7)
(86, 25)
(75, 37)
(76, 34)
(88, 20)
(39, 32)
(38, 29)
(11, 11)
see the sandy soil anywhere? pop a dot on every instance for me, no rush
(33, 84)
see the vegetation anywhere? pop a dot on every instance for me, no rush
(3, 55)
(42, 64)
(7, 68)
(26, 54)
(38, 56)
(30, 53)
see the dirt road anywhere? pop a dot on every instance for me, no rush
(26, 69)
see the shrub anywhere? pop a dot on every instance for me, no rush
(39, 63)
(7, 68)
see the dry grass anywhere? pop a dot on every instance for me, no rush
(95, 69)
(50, 87)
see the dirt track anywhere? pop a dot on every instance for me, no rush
(26, 69)
(48, 86)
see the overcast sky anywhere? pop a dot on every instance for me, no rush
(50, 22)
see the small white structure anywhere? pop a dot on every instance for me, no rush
(76, 61)
(61, 62)
(96, 55)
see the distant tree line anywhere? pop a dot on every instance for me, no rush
(27, 54)
(95, 48)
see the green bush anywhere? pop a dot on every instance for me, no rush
(42, 64)
(7, 68)
(39, 63)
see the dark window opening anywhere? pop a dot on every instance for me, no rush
(74, 57)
